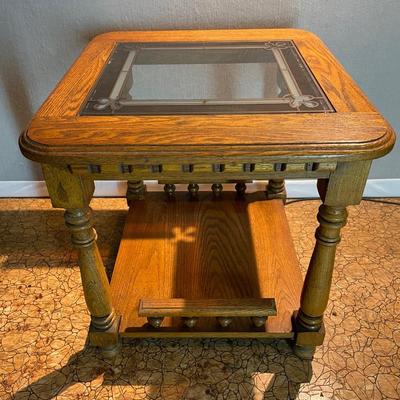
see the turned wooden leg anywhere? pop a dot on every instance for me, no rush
(314, 298)
(136, 191)
(104, 323)
(276, 189)
(73, 193)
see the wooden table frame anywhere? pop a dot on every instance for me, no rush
(335, 148)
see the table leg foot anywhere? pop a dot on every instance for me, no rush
(305, 340)
(107, 340)
(110, 353)
(304, 352)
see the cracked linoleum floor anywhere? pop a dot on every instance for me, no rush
(43, 320)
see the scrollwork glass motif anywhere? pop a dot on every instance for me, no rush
(206, 78)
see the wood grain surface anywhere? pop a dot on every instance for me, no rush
(211, 248)
(349, 136)
(342, 91)
(57, 134)
(242, 307)
(206, 249)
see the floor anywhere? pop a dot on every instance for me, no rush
(43, 320)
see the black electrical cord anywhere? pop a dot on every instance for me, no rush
(371, 199)
(377, 200)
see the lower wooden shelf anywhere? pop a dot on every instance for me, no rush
(206, 249)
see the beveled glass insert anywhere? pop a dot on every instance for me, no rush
(205, 78)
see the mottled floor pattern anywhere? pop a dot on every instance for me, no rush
(43, 320)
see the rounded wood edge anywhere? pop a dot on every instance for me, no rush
(390, 137)
(62, 155)
(204, 34)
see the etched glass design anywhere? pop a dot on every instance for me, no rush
(205, 78)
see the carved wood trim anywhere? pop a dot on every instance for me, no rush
(202, 172)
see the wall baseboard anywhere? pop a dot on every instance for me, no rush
(295, 188)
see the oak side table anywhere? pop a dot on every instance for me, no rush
(207, 107)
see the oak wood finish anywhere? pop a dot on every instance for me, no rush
(240, 188)
(67, 190)
(217, 189)
(201, 172)
(343, 188)
(251, 138)
(207, 249)
(193, 189)
(74, 193)
(341, 89)
(190, 322)
(136, 190)
(276, 189)
(57, 133)
(167, 251)
(169, 190)
(241, 307)
(104, 324)
(315, 293)
(93, 274)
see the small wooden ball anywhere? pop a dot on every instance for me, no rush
(190, 322)
(224, 321)
(155, 322)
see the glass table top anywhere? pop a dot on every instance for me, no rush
(205, 78)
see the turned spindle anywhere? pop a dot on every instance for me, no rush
(190, 322)
(136, 190)
(224, 321)
(258, 322)
(317, 283)
(240, 188)
(217, 189)
(193, 189)
(169, 190)
(93, 274)
(276, 189)
(155, 322)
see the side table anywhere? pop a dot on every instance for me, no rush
(207, 107)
